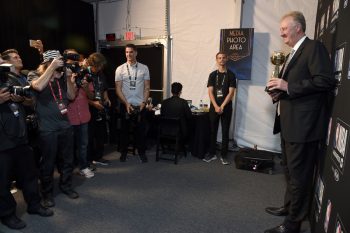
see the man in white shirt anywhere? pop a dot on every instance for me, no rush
(132, 81)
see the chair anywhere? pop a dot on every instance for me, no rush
(169, 134)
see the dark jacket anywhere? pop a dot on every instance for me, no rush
(176, 107)
(305, 110)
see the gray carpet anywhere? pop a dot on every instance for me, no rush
(160, 197)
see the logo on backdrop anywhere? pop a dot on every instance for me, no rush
(238, 45)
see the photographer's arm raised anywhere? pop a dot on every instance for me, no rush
(87, 87)
(71, 87)
(40, 83)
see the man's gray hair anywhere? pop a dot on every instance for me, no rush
(298, 18)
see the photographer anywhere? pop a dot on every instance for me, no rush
(99, 107)
(12, 56)
(78, 111)
(16, 157)
(54, 87)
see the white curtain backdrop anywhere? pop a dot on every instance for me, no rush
(195, 29)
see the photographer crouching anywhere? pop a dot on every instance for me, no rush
(16, 157)
(54, 86)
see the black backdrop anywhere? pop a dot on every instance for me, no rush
(150, 55)
(60, 24)
(331, 205)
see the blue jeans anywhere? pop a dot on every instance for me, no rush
(81, 138)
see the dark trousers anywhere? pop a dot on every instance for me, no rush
(97, 139)
(300, 159)
(19, 163)
(81, 137)
(135, 126)
(225, 118)
(57, 147)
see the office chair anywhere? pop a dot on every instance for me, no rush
(169, 134)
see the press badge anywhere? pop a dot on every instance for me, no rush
(132, 85)
(62, 108)
(219, 93)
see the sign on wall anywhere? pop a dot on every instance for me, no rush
(238, 45)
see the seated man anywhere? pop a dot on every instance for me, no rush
(176, 107)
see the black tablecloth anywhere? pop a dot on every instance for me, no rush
(200, 134)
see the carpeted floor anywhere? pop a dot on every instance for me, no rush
(160, 197)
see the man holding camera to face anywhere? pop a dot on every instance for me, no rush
(79, 113)
(16, 157)
(132, 82)
(54, 86)
(99, 107)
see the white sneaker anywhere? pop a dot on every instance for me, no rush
(209, 159)
(224, 161)
(87, 173)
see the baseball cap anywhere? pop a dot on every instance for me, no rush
(49, 55)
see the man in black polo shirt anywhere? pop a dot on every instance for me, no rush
(221, 89)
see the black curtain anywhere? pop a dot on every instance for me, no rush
(60, 24)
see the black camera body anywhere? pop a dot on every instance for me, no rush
(10, 82)
(71, 56)
(5, 68)
(84, 73)
(77, 69)
(19, 90)
(136, 110)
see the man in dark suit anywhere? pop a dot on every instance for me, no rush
(176, 107)
(302, 116)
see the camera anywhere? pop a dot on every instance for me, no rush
(136, 110)
(77, 69)
(11, 83)
(19, 90)
(84, 73)
(103, 114)
(71, 56)
(5, 68)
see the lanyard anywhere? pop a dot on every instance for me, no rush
(127, 66)
(59, 91)
(217, 79)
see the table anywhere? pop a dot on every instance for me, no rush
(199, 134)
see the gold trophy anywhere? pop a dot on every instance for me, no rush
(277, 58)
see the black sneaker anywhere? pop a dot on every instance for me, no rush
(143, 158)
(48, 201)
(122, 158)
(13, 222)
(71, 193)
(41, 211)
(103, 162)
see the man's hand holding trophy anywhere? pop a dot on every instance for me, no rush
(275, 85)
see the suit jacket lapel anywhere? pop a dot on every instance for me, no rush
(295, 57)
